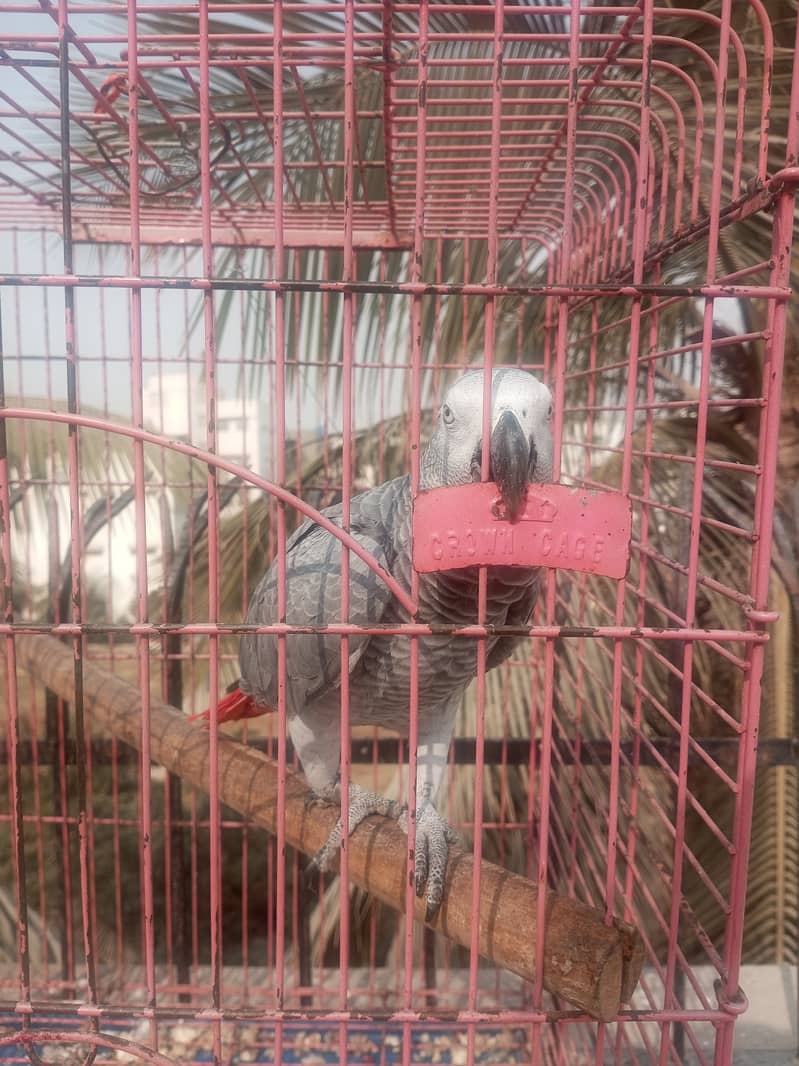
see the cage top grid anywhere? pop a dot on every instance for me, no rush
(371, 119)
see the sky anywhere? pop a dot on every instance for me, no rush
(172, 331)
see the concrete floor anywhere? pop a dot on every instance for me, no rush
(767, 1034)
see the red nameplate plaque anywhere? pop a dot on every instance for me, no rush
(560, 526)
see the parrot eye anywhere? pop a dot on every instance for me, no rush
(447, 415)
(549, 411)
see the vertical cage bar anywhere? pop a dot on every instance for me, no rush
(727, 988)
(212, 514)
(279, 264)
(140, 510)
(642, 213)
(564, 266)
(489, 338)
(670, 1000)
(348, 327)
(12, 695)
(416, 311)
(76, 556)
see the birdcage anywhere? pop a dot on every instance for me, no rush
(246, 248)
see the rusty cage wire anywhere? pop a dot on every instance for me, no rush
(244, 249)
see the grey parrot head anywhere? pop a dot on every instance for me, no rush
(521, 435)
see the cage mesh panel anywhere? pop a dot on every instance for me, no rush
(274, 234)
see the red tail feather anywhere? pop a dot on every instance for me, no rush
(235, 706)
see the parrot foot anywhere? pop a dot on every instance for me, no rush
(433, 838)
(362, 804)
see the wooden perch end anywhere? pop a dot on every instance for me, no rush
(593, 965)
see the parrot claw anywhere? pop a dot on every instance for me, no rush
(362, 804)
(315, 799)
(433, 838)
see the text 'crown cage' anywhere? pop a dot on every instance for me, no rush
(280, 285)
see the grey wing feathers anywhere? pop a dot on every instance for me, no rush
(313, 598)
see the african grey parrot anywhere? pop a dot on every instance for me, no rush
(379, 666)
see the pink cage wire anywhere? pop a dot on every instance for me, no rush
(303, 220)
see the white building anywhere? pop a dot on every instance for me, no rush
(174, 405)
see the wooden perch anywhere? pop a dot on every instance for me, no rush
(593, 965)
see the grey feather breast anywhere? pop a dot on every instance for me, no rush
(379, 665)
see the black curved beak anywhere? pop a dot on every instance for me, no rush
(512, 461)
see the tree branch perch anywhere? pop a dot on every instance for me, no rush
(593, 965)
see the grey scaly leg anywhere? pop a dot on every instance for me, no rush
(433, 834)
(362, 804)
(431, 853)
